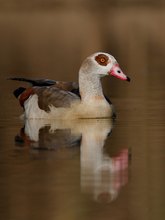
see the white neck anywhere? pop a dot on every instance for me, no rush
(90, 86)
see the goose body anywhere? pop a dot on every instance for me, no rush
(51, 99)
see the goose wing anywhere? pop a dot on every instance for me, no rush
(53, 96)
(49, 92)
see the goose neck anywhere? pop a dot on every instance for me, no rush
(90, 86)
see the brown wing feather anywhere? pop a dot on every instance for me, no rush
(67, 86)
(53, 96)
(59, 94)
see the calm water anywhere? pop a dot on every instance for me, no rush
(86, 169)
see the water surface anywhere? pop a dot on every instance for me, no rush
(87, 168)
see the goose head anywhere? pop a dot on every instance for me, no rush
(102, 64)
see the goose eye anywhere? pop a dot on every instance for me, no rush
(102, 59)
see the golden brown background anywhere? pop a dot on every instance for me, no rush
(49, 39)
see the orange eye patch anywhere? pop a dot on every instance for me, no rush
(102, 59)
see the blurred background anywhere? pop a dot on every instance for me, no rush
(53, 36)
(50, 39)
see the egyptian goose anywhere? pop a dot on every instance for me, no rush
(51, 99)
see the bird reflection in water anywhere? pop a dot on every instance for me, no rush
(102, 176)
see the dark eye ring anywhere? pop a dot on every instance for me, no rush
(102, 59)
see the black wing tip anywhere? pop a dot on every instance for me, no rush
(37, 82)
(17, 79)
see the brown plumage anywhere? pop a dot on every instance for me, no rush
(54, 96)
(56, 93)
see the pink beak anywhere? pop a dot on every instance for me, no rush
(118, 73)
